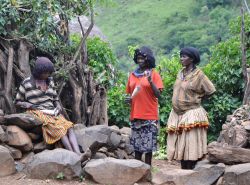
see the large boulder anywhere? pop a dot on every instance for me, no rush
(39, 147)
(99, 136)
(208, 174)
(172, 176)
(117, 171)
(15, 153)
(49, 163)
(25, 121)
(7, 163)
(19, 139)
(233, 134)
(203, 174)
(237, 175)
(87, 136)
(126, 131)
(115, 139)
(27, 157)
(220, 153)
(246, 125)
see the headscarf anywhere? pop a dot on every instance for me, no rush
(192, 53)
(147, 53)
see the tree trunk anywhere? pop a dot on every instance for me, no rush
(9, 82)
(77, 95)
(3, 69)
(23, 58)
(246, 99)
(94, 113)
(103, 108)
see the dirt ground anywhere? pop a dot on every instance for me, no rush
(20, 178)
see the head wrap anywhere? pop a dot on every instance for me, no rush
(192, 53)
(42, 65)
(147, 53)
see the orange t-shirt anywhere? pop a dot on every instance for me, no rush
(144, 105)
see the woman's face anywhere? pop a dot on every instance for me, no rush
(186, 60)
(44, 76)
(141, 61)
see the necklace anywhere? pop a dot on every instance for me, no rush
(185, 73)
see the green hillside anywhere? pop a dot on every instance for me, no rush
(132, 21)
(167, 25)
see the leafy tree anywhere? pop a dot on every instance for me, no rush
(35, 28)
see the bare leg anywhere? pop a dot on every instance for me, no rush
(148, 158)
(73, 141)
(138, 155)
(66, 143)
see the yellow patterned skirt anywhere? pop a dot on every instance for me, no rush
(187, 135)
(54, 127)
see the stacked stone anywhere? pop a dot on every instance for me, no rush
(22, 148)
(233, 148)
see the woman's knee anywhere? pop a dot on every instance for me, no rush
(70, 130)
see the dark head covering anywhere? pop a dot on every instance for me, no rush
(42, 65)
(192, 53)
(147, 53)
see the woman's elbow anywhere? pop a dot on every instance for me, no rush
(158, 95)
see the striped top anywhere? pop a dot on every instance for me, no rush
(28, 92)
(188, 92)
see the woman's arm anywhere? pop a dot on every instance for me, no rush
(25, 105)
(156, 91)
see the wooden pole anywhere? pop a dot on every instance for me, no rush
(244, 59)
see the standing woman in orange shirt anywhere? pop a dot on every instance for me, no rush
(144, 86)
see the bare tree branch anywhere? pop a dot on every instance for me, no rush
(84, 52)
(79, 20)
(62, 84)
(245, 2)
(18, 72)
(86, 34)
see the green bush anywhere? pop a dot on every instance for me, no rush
(118, 111)
(102, 61)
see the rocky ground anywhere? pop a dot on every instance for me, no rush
(20, 178)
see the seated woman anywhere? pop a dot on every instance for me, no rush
(37, 94)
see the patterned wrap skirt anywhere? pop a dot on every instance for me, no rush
(144, 135)
(54, 127)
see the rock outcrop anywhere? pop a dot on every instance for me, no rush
(117, 171)
(49, 163)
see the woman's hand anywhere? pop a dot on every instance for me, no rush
(26, 105)
(149, 79)
(58, 108)
(128, 100)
